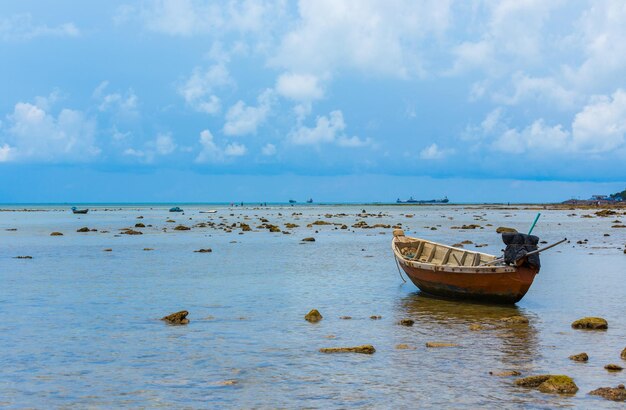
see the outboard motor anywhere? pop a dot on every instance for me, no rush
(517, 246)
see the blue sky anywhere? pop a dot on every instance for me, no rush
(340, 101)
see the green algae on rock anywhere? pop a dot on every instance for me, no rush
(313, 316)
(503, 229)
(83, 229)
(440, 344)
(178, 318)
(56, 234)
(614, 367)
(364, 349)
(182, 228)
(591, 323)
(549, 383)
(515, 320)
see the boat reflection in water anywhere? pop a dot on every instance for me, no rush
(495, 344)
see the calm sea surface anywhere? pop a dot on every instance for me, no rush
(80, 327)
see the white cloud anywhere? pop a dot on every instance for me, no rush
(211, 152)
(537, 137)
(242, 119)
(434, 152)
(268, 150)
(125, 105)
(33, 134)
(367, 35)
(327, 130)
(198, 89)
(299, 87)
(235, 150)
(20, 27)
(5, 153)
(601, 125)
(134, 153)
(164, 144)
(545, 89)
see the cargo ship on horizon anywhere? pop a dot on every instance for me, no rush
(445, 200)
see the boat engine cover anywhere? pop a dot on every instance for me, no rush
(518, 245)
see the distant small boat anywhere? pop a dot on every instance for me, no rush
(292, 201)
(79, 211)
(309, 201)
(176, 209)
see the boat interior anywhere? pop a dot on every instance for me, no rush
(437, 254)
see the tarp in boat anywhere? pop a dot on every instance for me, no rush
(518, 245)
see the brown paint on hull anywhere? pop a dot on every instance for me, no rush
(508, 287)
(464, 277)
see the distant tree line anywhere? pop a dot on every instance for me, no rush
(618, 196)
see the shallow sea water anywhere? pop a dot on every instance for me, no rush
(80, 327)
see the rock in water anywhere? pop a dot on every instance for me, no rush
(591, 323)
(178, 318)
(623, 355)
(83, 229)
(558, 384)
(613, 367)
(516, 320)
(532, 381)
(406, 322)
(440, 344)
(56, 234)
(207, 250)
(310, 239)
(616, 394)
(549, 383)
(313, 316)
(503, 229)
(506, 373)
(140, 225)
(131, 232)
(365, 349)
(182, 228)
(580, 357)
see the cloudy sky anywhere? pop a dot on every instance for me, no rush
(358, 100)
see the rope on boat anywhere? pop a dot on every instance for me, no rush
(398, 266)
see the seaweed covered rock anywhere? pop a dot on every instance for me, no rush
(549, 383)
(532, 381)
(611, 393)
(182, 228)
(140, 225)
(406, 322)
(245, 227)
(364, 349)
(313, 316)
(83, 229)
(178, 318)
(131, 232)
(580, 357)
(515, 320)
(623, 355)
(591, 323)
(614, 367)
(56, 234)
(309, 239)
(204, 250)
(558, 384)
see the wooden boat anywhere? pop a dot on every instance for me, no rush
(79, 211)
(446, 271)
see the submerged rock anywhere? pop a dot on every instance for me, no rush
(313, 316)
(592, 323)
(613, 367)
(515, 320)
(131, 232)
(377, 317)
(310, 239)
(476, 327)
(23, 257)
(506, 373)
(140, 225)
(345, 317)
(440, 344)
(404, 346)
(611, 393)
(580, 357)
(178, 318)
(56, 234)
(623, 354)
(406, 322)
(182, 228)
(83, 229)
(107, 250)
(365, 349)
(207, 250)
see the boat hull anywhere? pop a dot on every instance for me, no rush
(495, 287)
